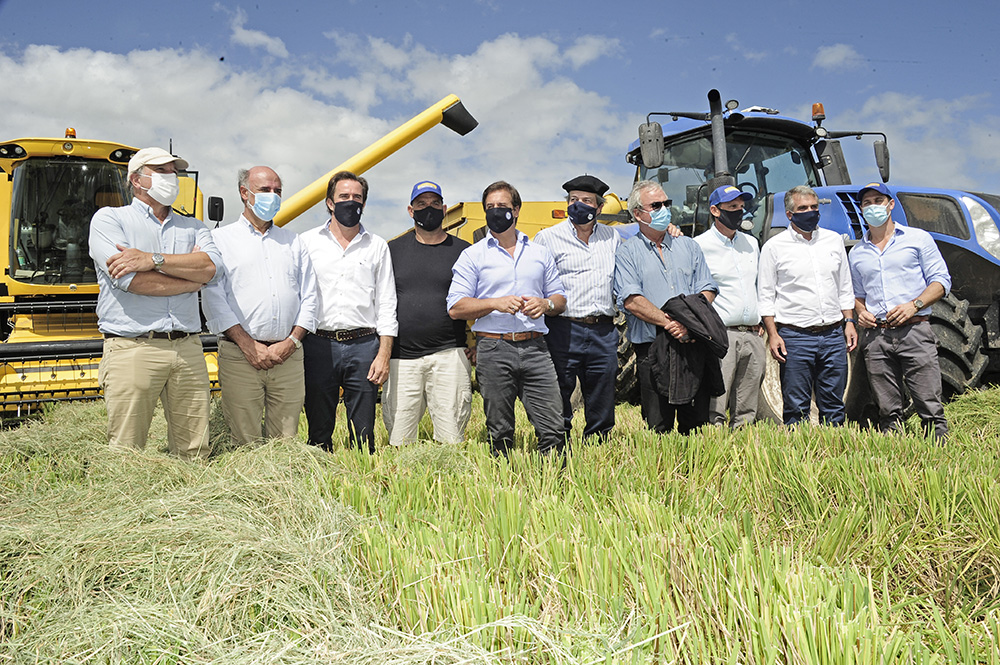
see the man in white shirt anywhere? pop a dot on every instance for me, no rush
(356, 319)
(262, 308)
(583, 340)
(732, 257)
(806, 302)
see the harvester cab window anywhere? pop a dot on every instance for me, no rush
(53, 202)
(762, 164)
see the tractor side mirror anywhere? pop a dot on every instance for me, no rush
(215, 207)
(882, 159)
(651, 144)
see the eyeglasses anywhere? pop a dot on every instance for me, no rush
(656, 205)
(435, 204)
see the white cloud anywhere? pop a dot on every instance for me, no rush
(537, 127)
(840, 57)
(255, 38)
(932, 141)
(751, 56)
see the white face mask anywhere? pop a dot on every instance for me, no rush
(163, 187)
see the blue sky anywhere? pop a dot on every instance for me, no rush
(559, 88)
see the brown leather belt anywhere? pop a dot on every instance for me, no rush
(812, 329)
(259, 341)
(590, 320)
(882, 323)
(172, 335)
(753, 329)
(511, 337)
(346, 335)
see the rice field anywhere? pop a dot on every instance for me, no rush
(761, 546)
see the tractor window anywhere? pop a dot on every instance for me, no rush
(762, 165)
(53, 201)
(935, 213)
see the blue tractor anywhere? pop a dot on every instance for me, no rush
(765, 154)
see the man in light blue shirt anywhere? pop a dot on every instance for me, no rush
(507, 284)
(898, 273)
(151, 262)
(261, 308)
(583, 340)
(732, 257)
(650, 269)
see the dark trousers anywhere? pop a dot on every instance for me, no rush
(660, 414)
(519, 370)
(588, 353)
(815, 362)
(329, 366)
(905, 356)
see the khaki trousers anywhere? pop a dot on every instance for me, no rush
(134, 373)
(441, 384)
(250, 395)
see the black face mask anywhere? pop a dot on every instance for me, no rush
(731, 219)
(348, 213)
(429, 218)
(499, 219)
(581, 213)
(806, 221)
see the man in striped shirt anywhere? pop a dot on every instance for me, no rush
(583, 340)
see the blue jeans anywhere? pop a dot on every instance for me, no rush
(329, 366)
(510, 370)
(588, 352)
(814, 362)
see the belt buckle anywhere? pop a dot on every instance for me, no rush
(519, 336)
(341, 335)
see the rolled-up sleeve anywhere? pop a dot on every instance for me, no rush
(703, 280)
(766, 280)
(207, 244)
(553, 283)
(844, 283)
(628, 277)
(385, 295)
(933, 265)
(106, 233)
(308, 290)
(464, 279)
(219, 315)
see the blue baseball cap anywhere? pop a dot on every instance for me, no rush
(423, 187)
(727, 193)
(875, 187)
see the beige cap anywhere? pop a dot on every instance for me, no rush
(154, 157)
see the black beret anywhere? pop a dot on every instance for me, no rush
(586, 183)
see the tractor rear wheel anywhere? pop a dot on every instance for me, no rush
(627, 378)
(960, 348)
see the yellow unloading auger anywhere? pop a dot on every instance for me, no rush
(450, 112)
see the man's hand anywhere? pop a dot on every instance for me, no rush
(257, 354)
(677, 330)
(777, 347)
(379, 370)
(129, 260)
(866, 319)
(281, 351)
(850, 336)
(470, 353)
(534, 307)
(901, 313)
(508, 304)
(674, 231)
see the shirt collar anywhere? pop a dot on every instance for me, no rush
(252, 228)
(897, 231)
(361, 231)
(147, 210)
(667, 241)
(721, 237)
(491, 240)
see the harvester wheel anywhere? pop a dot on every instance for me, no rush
(959, 342)
(627, 379)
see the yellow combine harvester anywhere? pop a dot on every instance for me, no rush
(50, 188)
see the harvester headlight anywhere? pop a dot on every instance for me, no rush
(987, 234)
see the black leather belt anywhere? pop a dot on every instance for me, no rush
(882, 323)
(512, 336)
(590, 320)
(346, 335)
(174, 334)
(753, 329)
(259, 341)
(812, 329)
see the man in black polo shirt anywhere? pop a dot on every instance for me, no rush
(430, 367)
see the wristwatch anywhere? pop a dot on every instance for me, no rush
(552, 305)
(158, 261)
(919, 304)
(295, 341)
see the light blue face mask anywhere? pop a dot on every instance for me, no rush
(659, 220)
(876, 215)
(266, 205)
